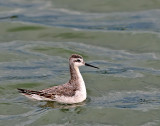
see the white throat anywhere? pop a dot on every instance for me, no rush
(80, 78)
(82, 88)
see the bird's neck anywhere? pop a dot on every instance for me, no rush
(76, 76)
(78, 82)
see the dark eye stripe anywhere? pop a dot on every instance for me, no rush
(78, 60)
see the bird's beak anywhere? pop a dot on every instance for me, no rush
(86, 64)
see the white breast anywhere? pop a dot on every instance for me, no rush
(80, 94)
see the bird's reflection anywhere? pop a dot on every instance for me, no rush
(56, 105)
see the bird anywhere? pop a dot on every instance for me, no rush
(72, 92)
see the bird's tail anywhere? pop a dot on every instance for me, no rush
(28, 92)
(31, 92)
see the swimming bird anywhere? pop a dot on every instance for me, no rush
(74, 91)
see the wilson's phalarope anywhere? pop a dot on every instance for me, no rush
(74, 91)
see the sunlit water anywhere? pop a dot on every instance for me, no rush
(36, 41)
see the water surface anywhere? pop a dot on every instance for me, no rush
(36, 39)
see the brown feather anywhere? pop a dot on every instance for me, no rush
(40, 93)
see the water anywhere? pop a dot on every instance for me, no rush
(36, 39)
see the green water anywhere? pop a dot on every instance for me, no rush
(121, 37)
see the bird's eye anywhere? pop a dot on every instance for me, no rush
(78, 60)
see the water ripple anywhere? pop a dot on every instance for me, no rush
(43, 13)
(39, 65)
(138, 100)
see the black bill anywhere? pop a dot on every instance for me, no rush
(86, 64)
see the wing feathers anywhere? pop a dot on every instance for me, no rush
(40, 93)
